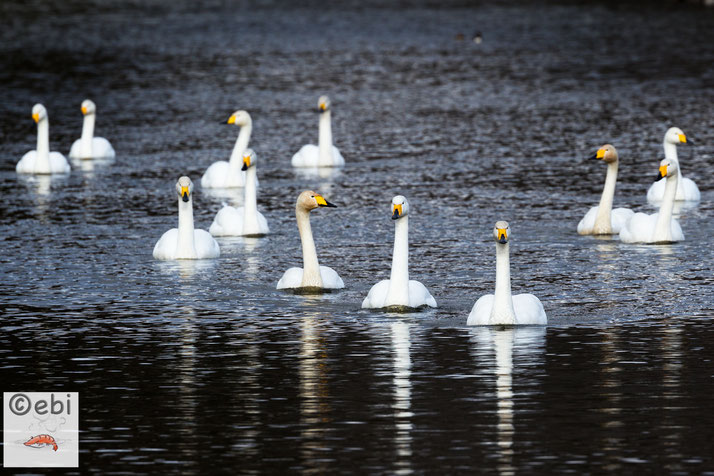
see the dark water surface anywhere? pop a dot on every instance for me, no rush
(205, 367)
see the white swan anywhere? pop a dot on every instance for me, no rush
(502, 308)
(603, 220)
(245, 220)
(88, 146)
(185, 242)
(659, 227)
(687, 190)
(399, 290)
(324, 154)
(224, 174)
(42, 161)
(312, 276)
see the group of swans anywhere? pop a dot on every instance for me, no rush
(660, 227)
(43, 161)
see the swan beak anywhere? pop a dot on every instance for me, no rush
(502, 235)
(184, 194)
(84, 110)
(231, 120)
(246, 162)
(599, 155)
(682, 138)
(397, 212)
(321, 202)
(662, 172)
(36, 117)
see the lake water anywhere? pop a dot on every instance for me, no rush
(204, 367)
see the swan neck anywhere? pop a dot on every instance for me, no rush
(663, 227)
(603, 221)
(43, 144)
(240, 146)
(87, 135)
(398, 293)
(325, 139)
(503, 312)
(185, 247)
(311, 267)
(250, 205)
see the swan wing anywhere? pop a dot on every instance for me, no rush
(419, 295)
(638, 229)
(206, 245)
(74, 150)
(377, 295)
(165, 248)
(337, 159)
(330, 278)
(263, 224)
(655, 192)
(618, 218)
(689, 190)
(292, 278)
(677, 234)
(58, 163)
(307, 156)
(228, 222)
(102, 148)
(481, 312)
(26, 165)
(216, 175)
(529, 310)
(585, 227)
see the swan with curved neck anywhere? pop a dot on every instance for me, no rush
(186, 242)
(603, 220)
(399, 291)
(245, 220)
(687, 190)
(41, 160)
(88, 146)
(229, 174)
(312, 276)
(660, 227)
(502, 308)
(325, 154)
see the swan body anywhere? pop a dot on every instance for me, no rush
(603, 220)
(245, 220)
(88, 146)
(687, 190)
(324, 154)
(185, 242)
(228, 174)
(41, 160)
(502, 308)
(311, 275)
(660, 227)
(399, 290)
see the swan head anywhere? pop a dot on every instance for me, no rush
(607, 153)
(249, 159)
(674, 135)
(39, 113)
(88, 107)
(309, 200)
(667, 168)
(400, 207)
(323, 104)
(184, 188)
(501, 231)
(240, 118)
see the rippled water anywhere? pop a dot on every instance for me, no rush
(201, 367)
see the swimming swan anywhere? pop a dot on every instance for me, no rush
(88, 146)
(687, 190)
(185, 242)
(502, 308)
(603, 220)
(399, 290)
(246, 220)
(42, 161)
(312, 276)
(659, 227)
(224, 174)
(324, 154)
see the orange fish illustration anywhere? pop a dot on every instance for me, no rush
(41, 441)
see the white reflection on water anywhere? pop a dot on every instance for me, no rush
(40, 188)
(90, 166)
(401, 344)
(529, 341)
(187, 376)
(186, 269)
(227, 196)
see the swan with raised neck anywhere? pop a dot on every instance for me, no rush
(228, 174)
(687, 190)
(41, 160)
(325, 154)
(88, 146)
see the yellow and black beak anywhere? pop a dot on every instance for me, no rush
(502, 235)
(662, 172)
(246, 162)
(322, 108)
(36, 117)
(184, 194)
(231, 120)
(84, 110)
(599, 154)
(397, 212)
(682, 138)
(321, 202)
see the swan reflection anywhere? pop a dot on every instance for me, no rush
(402, 405)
